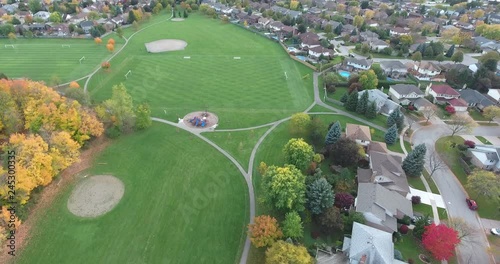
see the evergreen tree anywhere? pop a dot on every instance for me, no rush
(396, 118)
(131, 17)
(319, 196)
(413, 164)
(334, 133)
(362, 104)
(352, 101)
(344, 98)
(185, 13)
(371, 111)
(391, 135)
(450, 51)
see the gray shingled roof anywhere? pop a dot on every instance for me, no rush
(407, 89)
(382, 203)
(475, 97)
(388, 172)
(375, 244)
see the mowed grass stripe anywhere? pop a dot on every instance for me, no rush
(41, 59)
(183, 203)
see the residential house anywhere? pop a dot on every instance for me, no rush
(264, 22)
(358, 64)
(359, 133)
(276, 26)
(377, 45)
(465, 25)
(369, 245)
(421, 104)
(444, 94)
(44, 15)
(332, 23)
(494, 18)
(86, 26)
(426, 71)
(394, 69)
(486, 157)
(316, 52)
(381, 207)
(384, 105)
(494, 94)
(286, 12)
(405, 94)
(309, 40)
(398, 31)
(385, 169)
(314, 10)
(368, 36)
(475, 99)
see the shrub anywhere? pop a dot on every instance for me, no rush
(106, 65)
(411, 108)
(411, 261)
(415, 199)
(470, 143)
(113, 132)
(462, 147)
(403, 229)
(406, 220)
(450, 109)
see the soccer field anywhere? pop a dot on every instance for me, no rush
(42, 59)
(249, 90)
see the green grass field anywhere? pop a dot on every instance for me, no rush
(242, 92)
(183, 203)
(42, 59)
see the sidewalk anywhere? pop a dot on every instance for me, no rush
(427, 197)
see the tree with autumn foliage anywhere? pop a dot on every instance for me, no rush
(264, 231)
(55, 129)
(344, 200)
(74, 85)
(110, 47)
(111, 41)
(440, 240)
(97, 41)
(106, 65)
(298, 153)
(283, 252)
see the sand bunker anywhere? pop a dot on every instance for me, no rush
(177, 19)
(96, 195)
(200, 119)
(163, 45)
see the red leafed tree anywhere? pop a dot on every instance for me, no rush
(450, 109)
(440, 240)
(264, 231)
(343, 200)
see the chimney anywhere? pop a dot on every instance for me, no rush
(363, 259)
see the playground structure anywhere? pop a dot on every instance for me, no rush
(200, 119)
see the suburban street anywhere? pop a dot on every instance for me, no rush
(474, 249)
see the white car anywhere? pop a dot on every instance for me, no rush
(495, 231)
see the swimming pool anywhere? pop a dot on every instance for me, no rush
(302, 58)
(345, 74)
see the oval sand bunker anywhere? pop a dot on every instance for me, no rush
(96, 196)
(164, 45)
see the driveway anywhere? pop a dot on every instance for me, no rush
(475, 249)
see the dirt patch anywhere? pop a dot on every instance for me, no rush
(178, 19)
(164, 45)
(200, 119)
(51, 191)
(95, 196)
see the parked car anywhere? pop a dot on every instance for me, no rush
(471, 203)
(495, 231)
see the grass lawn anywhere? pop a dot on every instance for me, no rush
(34, 58)
(238, 143)
(416, 183)
(339, 92)
(476, 115)
(483, 140)
(410, 247)
(431, 182)
(243, 92)
(183, 201)
(487, 207)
